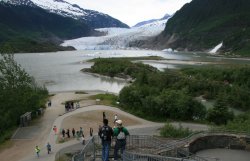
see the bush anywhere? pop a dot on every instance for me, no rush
(170, 131)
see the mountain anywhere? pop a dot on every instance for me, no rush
(93, 18)
(41, 25)
(167, 16)
(28, 28)
(203, 24)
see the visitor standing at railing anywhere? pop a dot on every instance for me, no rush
(120, 134)
(105, 133)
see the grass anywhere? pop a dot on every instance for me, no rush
(106, 99)
(172, 132)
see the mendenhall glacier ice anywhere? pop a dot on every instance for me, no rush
(117, 38)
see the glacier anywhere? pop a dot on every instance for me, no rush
(117, 38)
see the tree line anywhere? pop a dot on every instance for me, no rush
(19, 94)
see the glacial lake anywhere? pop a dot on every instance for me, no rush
(60, 71)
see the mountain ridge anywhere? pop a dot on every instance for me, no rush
(32, 29)
(202, 24)
(93, 18)
(165, 17)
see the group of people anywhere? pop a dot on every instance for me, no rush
(118, 133)
(69, 106)
(78, 134)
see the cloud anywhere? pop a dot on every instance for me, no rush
(132, 11)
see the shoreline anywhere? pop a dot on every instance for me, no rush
(105, 76)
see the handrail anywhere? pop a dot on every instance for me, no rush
(148, 146)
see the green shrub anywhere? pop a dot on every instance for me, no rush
(170, 131)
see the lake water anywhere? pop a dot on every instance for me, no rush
(60, 71)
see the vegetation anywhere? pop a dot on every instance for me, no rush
(19, 94)
(160, 96)
(172, 132)
(240, 123)
(106, 99)
(119, 67)
(202, 24)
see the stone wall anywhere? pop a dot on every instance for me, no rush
(220, 141)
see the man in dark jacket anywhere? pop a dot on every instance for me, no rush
(105, 133)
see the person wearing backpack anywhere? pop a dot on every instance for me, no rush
(105, 133)
(120, 134)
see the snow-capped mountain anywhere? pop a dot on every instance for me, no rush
(19, 2)
(93, 18)
(165, 17)
(117, 38)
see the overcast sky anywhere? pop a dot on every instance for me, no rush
(132, 11)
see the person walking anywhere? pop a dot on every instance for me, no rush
(73, 132)
(116, 118)
(103, 115)
(81, 131)
(37, 150)
(55, 130)
(91, 132)
(63, 133)
(120, 134)
(83, 140)
(105, 133)
(68, 133)
(48, 148)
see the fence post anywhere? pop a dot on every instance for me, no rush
(93, 141)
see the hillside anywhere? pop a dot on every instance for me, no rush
(93, 18)
(32, 29)
(203, 24)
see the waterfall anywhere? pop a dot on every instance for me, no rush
(216, 48)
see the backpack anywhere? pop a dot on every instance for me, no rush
(105, 133)
(121, 135)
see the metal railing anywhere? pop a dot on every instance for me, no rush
(138, 147)
(87, 151)
(151, 148)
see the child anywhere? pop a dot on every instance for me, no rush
(37, 150)
(49, 148)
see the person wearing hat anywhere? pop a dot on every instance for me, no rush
(120, 134)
